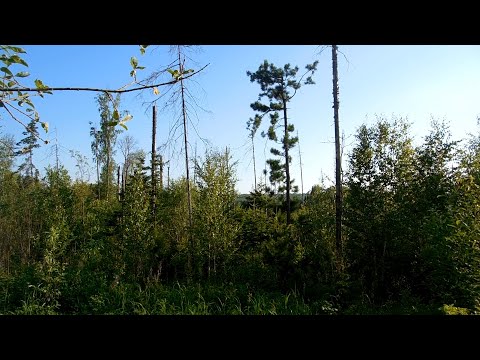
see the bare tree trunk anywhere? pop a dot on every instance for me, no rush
(195, 161)
(30, 162)
(98, 164)
(187, 171)
(180, 64)
(56, 150)
(161, 172)
(301, 170)
(287, 165)
(338, 160)
(254, 166)
(108, 167)
(118, 183)
(154, 146)
(124, 177)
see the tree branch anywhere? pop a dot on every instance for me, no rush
(20, 111)
(25, 126)
(98, 89)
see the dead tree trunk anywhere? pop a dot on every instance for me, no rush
(301, 170)
(119, 192)
(338, 160)
(161, 172)
(287, 165)
(153, 165)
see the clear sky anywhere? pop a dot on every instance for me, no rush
(417, 82)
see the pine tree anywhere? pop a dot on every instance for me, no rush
(28, 143)
(277, 85)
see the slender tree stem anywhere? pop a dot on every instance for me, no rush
(338, 159)
(301, 170)
(254, 166)
(154, 133)
(287, 165)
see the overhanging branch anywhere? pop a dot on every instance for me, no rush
(98, 89)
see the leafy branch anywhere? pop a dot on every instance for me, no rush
(12, 91)
(176, 78)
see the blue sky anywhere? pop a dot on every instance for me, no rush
(417, 82)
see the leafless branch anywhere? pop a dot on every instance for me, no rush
(20, 122)
(323, 47)
(20, 111)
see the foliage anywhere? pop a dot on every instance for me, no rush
(104, 139)
(277, 85)
(411, 229)
(214, 227)
(13, 102)
(380, 166)
(7, 153)
(137, 241)
(29, 143)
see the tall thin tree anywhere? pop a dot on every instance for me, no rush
(56, 150)
(160, 165)
(127, 146)
(119, 192)
(301, 169)
(107, 135)
(338, 159)
(154, 146)
(252, 127)
(29, 143)
(94, 133)
(181, 61)
(276, 85)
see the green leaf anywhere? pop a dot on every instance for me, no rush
(142, 48)
(6, 70)
(188, 71)
(132, 73)
(134, 62)
(39, 84)
(11, 83)
(175, 73)
(44, 126)
(17, 60)
(123, 125)
(17, 49)
(140, 67)
(116, 115)
(112, 123)
(22, 74)
(29, 103)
